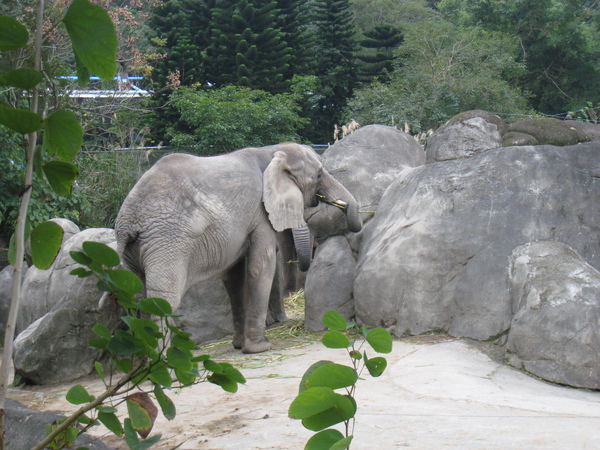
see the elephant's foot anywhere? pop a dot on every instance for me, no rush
(238, 341)
(256, 346)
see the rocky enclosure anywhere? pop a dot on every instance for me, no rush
(490, 232)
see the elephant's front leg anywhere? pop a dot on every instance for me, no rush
(260, 270)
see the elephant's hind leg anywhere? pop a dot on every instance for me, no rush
(233, 280)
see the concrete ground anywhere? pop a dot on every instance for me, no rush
(435, 394)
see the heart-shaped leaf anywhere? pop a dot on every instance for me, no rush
(101, 253)
(334, 320)
(142, 412)
(380, 339)
(335, 339)
(78, 395)
(63, 134)
(22, 78)
(13, 34)
(20, 120)
(61, 175)
(45, 240)
(94, 38)
(333, 376)
(166, 404)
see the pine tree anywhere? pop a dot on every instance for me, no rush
(248, 47)
(182, 34)
(335, 45)
(294, 21)
(380, 62)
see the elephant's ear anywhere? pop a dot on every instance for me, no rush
(283, 199)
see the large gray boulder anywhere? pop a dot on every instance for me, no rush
(329, 282)
(435, 256)
(6, 280)
(55, 347)
(545, 130)
(365, 162)
(26, 427)
(465, 135)
(555, 331)
(42, 289)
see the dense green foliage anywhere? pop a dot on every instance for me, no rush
(558, 40)
(335, 66)
(233, 117)
(379, 62)
(440, 73)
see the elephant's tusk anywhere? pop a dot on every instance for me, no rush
(337, 203)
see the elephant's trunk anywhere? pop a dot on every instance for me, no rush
(353, 216)
(304, 246)
(333, 192)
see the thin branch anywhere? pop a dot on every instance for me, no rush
(88, 406)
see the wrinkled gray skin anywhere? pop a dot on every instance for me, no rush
(191, 218)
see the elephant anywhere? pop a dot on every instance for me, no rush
(191, 218)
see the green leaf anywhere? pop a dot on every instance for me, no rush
(184, 343)
(22, 78)
(376, 366)
(140, 408)
(63, 134)
(125, 280)
(309, 372)
(13, 34)
(226, 383)
(160, 375)
(81, 272)
(185, 377)
(213, 366)
(380, 339)
(101, 253)
(333, 376)
(131, 437)
(156, 307)
(311, 401)
(344, 408)
(93, 36)
(179, 359)
(99, 343)
(146, 330)
(61, 175)
(20, 120)
(335, 339)
(78, 395)
(334, 320)
(81, 258)
(343, 444)
(45, 240)
(233, 373)
(124, 365)
(111, 421)
(324, 440)
(83, 73)
(99, 370)
(12, 245)
(102, 330)
(166, 404)
(125, 345)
